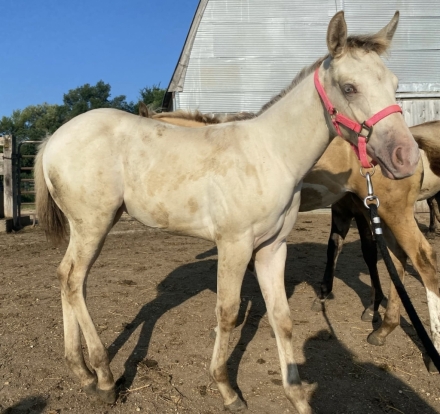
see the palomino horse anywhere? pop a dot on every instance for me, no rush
(236, 184)
(427, 135)
(337, 172)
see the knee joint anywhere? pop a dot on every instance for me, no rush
(227, 316)
(220, 374)
(283, 323)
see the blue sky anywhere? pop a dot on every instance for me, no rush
(51, 46)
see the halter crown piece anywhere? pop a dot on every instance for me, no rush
(339, 119)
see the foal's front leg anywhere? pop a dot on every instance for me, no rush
(269, 264)
(233, 258)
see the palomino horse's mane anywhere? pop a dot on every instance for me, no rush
(428, 141)
(209, 119)
(298, 79)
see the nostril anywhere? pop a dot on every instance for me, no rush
(398, 155)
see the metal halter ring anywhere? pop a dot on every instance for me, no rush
(368, 128)
(373, 199)
(371, 173)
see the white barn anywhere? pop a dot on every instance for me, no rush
(239, 53)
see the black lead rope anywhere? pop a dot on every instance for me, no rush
(415, 320)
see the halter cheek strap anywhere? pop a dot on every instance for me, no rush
(340, 119)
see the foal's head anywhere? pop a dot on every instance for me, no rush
(359, 85)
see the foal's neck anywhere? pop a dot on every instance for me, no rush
(298, 126)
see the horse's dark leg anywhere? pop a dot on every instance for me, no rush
(432, 222)
(369, 252)
(435, 204)
(392, 314)
(341, 219)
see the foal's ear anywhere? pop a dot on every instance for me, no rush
(143, 110)
(337, 35)
(388, 31)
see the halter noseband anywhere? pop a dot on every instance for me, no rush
(339, 119)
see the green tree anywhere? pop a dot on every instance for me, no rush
(87, 97)
(34, 122)
(152, 97)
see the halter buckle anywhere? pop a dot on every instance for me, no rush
(333, 114)
(369, 130)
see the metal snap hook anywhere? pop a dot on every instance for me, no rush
(371, 199)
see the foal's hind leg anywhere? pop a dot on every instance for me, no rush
(269, 265)
(72, 336)
(86, 241)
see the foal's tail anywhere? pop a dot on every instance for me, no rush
(50, 217)
(427, 136)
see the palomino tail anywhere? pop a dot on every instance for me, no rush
(427, 136)
(50, 217)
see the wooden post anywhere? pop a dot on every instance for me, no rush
(2, 208)
(9, 174)
(2, 203)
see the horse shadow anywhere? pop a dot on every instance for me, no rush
(34, 405)
(191, 279)
(367, 388)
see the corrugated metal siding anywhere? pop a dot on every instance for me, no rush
(245, 51)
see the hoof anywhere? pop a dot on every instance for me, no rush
(374, 339)
(90, 389)
(107, 396)
(237, 405)
(318, 305)
(370, 316)
(432, 369)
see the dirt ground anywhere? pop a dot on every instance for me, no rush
(152, 297)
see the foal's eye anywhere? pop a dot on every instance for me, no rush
(349, 89)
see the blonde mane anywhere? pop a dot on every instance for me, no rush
(427, 136)
(369, 43)
(306, 71)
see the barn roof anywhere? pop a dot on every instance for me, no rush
(238, 54)
(177, 80)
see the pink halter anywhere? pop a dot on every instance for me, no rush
(337, 119)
